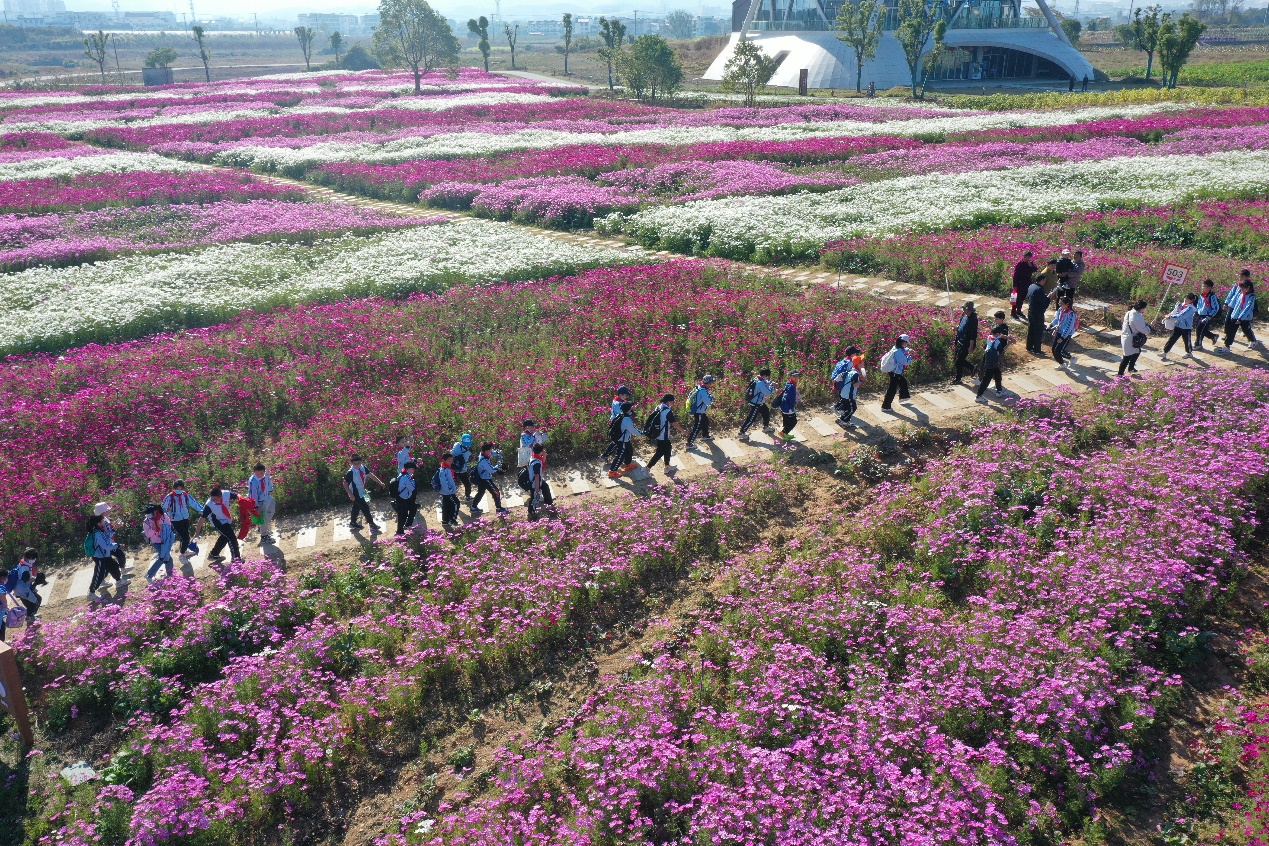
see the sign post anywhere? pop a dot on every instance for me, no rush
(1173, 275)
(12, 699)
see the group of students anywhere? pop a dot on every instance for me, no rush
(1198, 315)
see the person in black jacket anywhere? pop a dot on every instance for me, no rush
(966, 338)
(1037, 304)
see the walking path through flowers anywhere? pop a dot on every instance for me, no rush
(1097, 361)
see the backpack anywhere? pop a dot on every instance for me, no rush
(523, 479)
(887, 362)
(751, 391)
(614, 427)
(652, 427)
(991, 357)
(90, 548)
(460, 463)
(394, 487)
(436, 480)
(691, 398)
(11, 583)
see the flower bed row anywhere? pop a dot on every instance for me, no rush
(62, 239)
(977, 658)
(251, 709)
(302, 388)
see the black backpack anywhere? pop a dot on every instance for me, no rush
(751, 391)
(436, 480)
(394, 487)
(614, 427)
(460, 462)
(652, 427)
(523, 479)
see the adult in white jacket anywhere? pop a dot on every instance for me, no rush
(1134, 324)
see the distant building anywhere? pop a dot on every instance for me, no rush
(331, 22)
(34, 8)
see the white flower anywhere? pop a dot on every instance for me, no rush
(107, 162)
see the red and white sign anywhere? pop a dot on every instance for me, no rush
(1174, 274)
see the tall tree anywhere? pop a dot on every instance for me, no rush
(568, 37)
(306, 34)
(934, 58)
(95, 48)
(680, 24)
(480, 27)
(336, 42)
(859, 24)
(916, 25)
(613, 32)
(1176, 41)
(204, 55)
(411, 33)
(748, 71)
(1143, 33)
(511, 34)
(650, 68)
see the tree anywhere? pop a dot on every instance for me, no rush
(916, 25)
(359, 58)
(411, 33)
(306, 34)
(204, 55)
(860, 22)
(1176, 42)
(650, 68)
(1142, 33)
(935, 57)
(568, 37)
(512, 35)
(1072, 29)
(336, 42)
(680, 24)
(95, 48)
(480, 27)
(748, 71)
(613, 33)
(160, 58)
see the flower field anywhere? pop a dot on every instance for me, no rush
(978, 656)
(304, 387)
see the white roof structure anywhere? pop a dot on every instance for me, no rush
(993, 41)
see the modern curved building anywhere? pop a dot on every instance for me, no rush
(994, 40)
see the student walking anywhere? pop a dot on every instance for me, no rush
(1132, 337)
(1241, 303)
(405, 497)
(180, 508)
(789, 406)
(1064, 324)
(486, 466)
(623, 461)
(1037, 304)
(529, 438)
(260, 488)
(538, 488)
(658, 428)
(993, 357)
(1207, 312)
(966, 340)
(216, 513)
(448, 489)
(620, 398)
(1023, 272)
(1183, 321)
(403, 454)
(698, 403)
(756, 394)
(22, 580)
(106, 551)
(157, 528)
(849, 395)
(895, 363)
(354, 482)
(464, 461)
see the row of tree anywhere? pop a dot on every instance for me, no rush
(1152, 31)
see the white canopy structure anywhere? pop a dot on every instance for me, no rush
(993, 40)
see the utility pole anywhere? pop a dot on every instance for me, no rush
(114, 42)
(256, 20)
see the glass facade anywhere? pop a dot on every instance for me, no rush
(795, 15)
(986, 63)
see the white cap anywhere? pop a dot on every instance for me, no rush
(1066, 251)
(100, 508)
(905, 339)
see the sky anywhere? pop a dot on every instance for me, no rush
(458, 9)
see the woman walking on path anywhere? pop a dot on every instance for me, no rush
(1132, 337)
(1183, 321)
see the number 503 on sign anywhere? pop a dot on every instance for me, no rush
(1174, 274)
